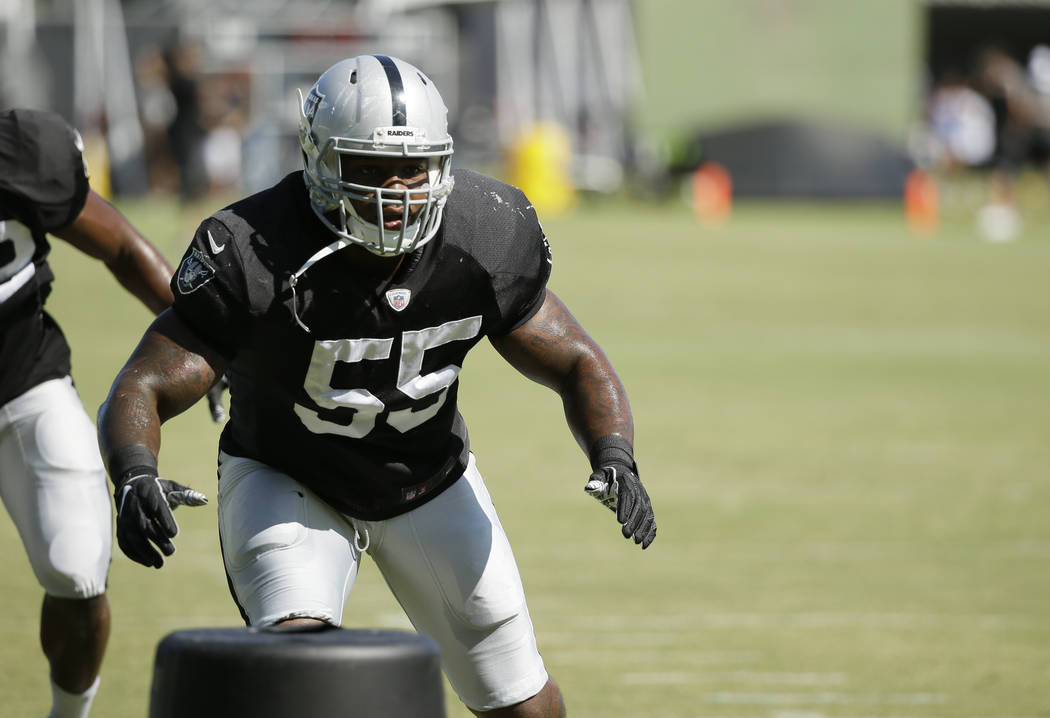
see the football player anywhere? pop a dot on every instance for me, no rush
(52, 480)
(341, 303)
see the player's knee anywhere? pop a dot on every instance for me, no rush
(483, 614)
(65, 440)
(495, 599)
(76, 564)
(272, 538)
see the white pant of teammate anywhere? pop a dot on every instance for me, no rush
(448, 563)
(53, 484)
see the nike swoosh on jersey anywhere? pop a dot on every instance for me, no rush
(216, 248)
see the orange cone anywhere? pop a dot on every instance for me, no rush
(712, 194)
(921, 204)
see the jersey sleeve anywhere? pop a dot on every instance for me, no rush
(520, 280)
(209, 288)
(43, 182)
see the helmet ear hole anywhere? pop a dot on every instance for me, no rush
(353, 77)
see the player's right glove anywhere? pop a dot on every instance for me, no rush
(616, 484)
(145, 504)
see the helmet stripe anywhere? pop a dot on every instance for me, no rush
(397, 91)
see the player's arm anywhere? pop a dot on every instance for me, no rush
(102, 232)
(551, 348)
(169, 371)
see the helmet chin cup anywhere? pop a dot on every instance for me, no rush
(374, 106)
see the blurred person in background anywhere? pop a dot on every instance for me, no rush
(961, 123)
(225, 109)
(186, 131)
(1022, 135)
(193, 128)
(156, 113)
(342, 303)
(52, 480)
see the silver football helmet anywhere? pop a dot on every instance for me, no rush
(375, 106)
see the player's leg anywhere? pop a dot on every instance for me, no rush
(548, 703)
(452, 569)
(73, 633)
(54, 486)
(289, 557)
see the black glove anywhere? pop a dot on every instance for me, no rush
(144, 509)
(616, 484)
(218, 413)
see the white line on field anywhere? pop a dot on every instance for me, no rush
(679, 654)
(796, 713)
(822, 698)
(754, 677)
(675, 622)
(395, 618)
(859, 550)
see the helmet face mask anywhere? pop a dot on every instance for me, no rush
(365, 111)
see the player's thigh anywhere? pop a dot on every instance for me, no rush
(452, 569)
(54, 487)
(287, 554)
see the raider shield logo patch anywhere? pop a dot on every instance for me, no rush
(194, 272)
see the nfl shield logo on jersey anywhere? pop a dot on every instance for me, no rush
(194, 272)
(398, 298)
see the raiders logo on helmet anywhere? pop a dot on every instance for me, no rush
(312, 101)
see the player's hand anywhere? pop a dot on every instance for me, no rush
(218, 412)
(617, 486)
(145, 503)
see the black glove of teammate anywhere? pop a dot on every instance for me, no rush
(615, 483)
(218, 412)
(145, 503)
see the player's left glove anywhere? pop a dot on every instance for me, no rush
(616, 484)
(218, 412)
(145, 504)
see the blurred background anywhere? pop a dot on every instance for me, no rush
(812, 235)
(781, 98)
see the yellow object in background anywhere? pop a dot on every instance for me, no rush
(96, 157)
(539, 167)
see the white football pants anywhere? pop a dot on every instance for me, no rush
(53, 484)
(289, 555)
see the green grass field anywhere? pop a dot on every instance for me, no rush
(843, 427)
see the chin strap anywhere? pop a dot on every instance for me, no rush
(317, 257)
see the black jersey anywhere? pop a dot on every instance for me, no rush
(349, 383)
(43, 187)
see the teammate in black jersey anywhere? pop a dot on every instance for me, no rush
(341, 304)
(51, 475)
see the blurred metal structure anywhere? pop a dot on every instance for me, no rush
(502, 65)
(574, 64)
(104, 88)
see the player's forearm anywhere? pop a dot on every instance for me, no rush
(127, 418)
(595, 401)
(144, 272)
(102, 232)
(160, 380)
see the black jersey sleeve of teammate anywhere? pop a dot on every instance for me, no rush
(43, 180)
(209, 287)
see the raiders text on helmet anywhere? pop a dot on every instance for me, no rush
(375, 106)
